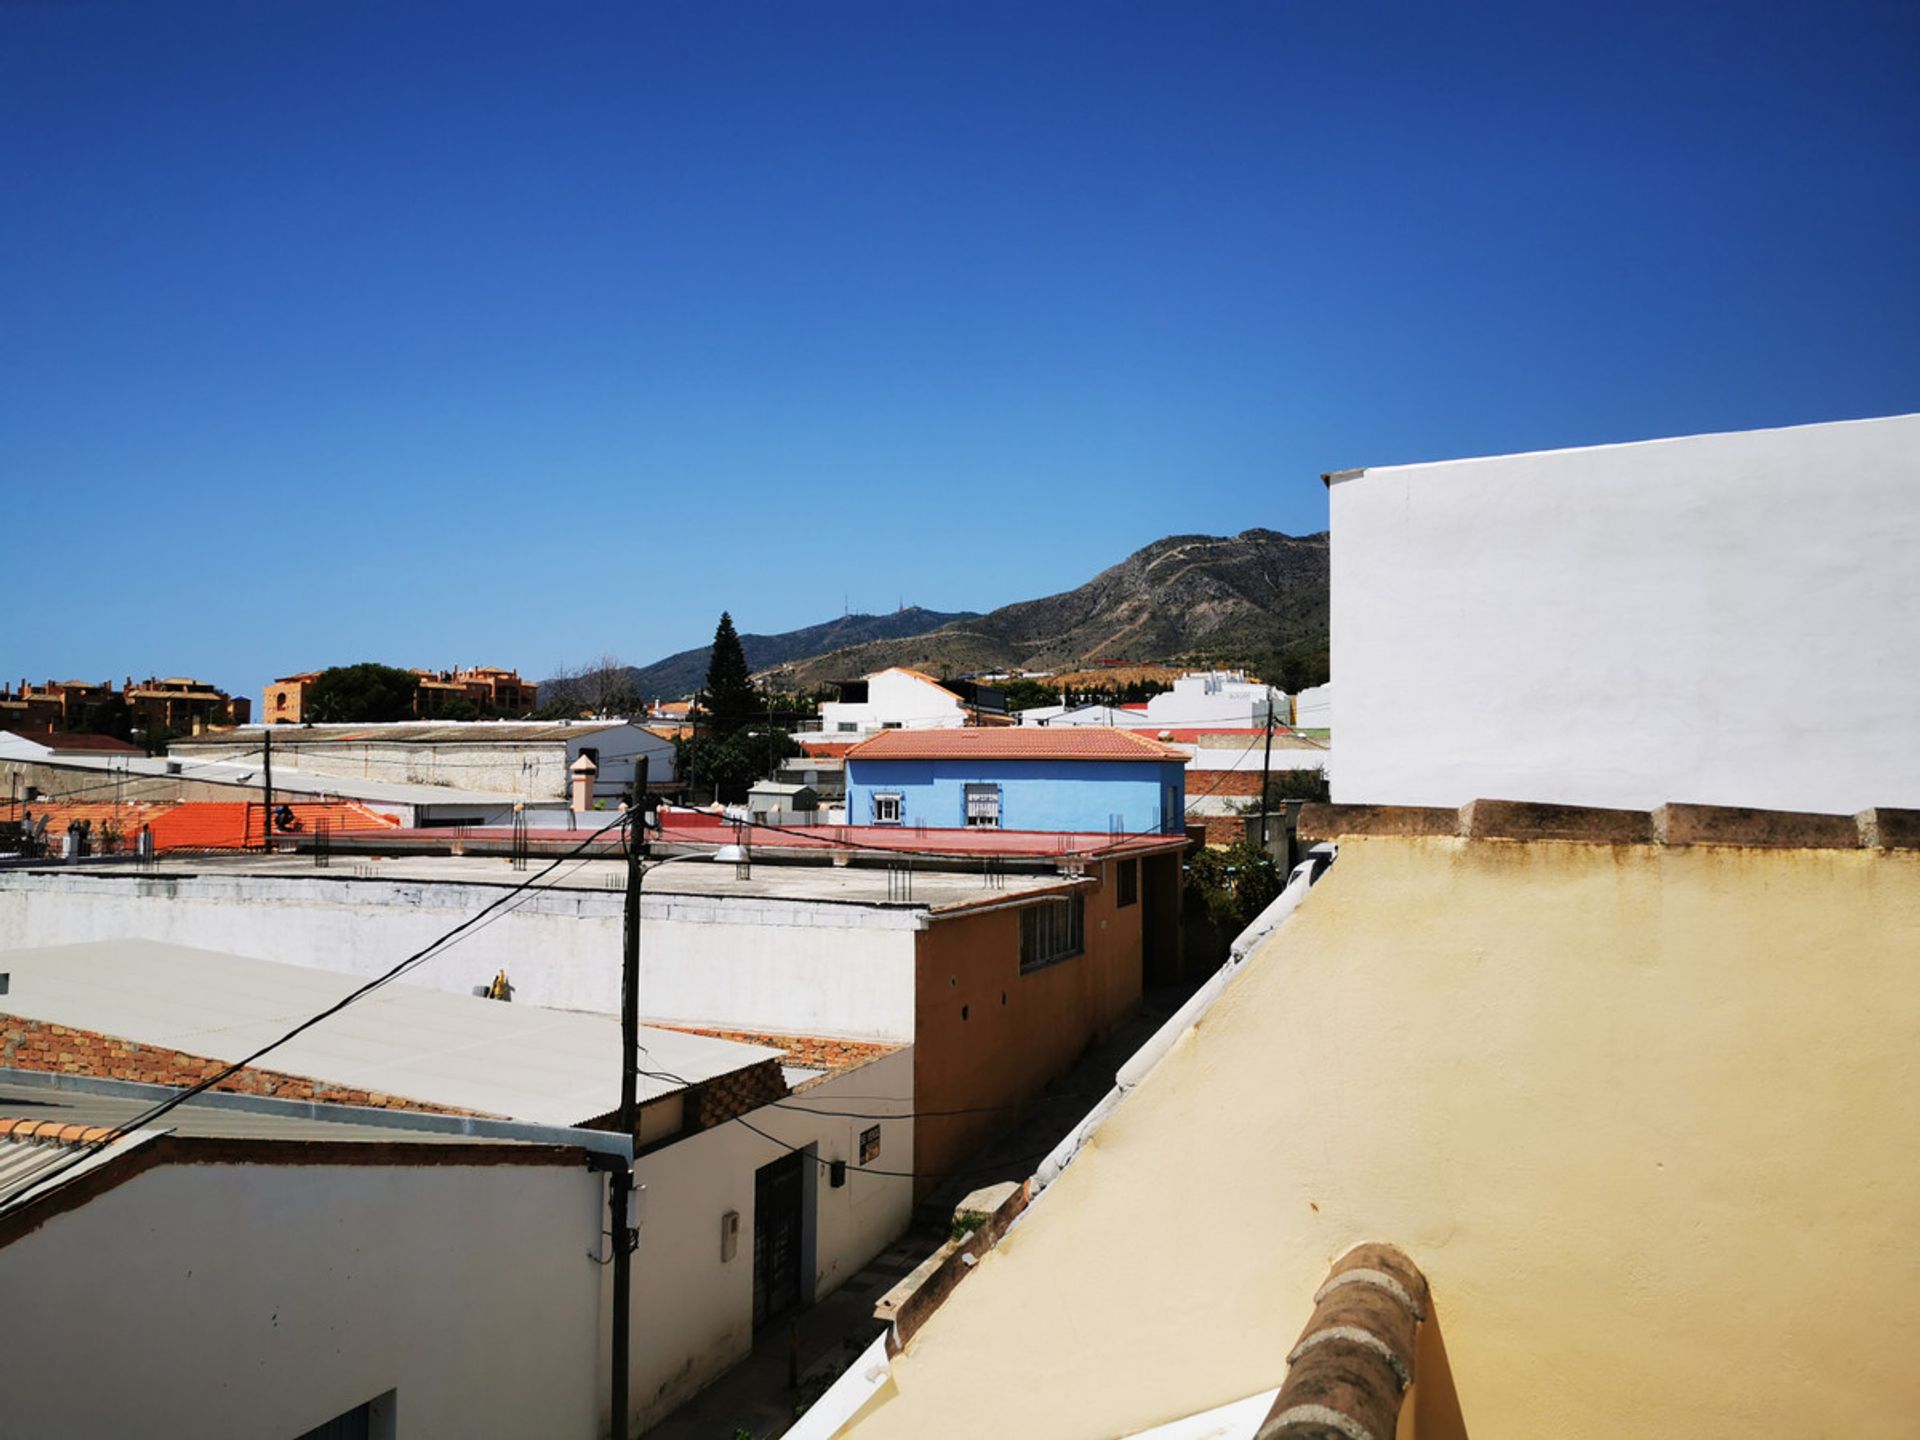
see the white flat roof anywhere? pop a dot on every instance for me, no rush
(552, 1067)
(286, 778)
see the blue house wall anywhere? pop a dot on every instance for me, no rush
(1131, 796)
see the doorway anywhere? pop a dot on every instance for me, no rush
(778, 1201)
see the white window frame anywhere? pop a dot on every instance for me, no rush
(889, 807)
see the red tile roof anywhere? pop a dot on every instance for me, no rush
(827, 749)
(1073, 742)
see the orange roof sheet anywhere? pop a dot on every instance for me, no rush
(1084, 742)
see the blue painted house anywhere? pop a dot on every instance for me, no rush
(1083, 779)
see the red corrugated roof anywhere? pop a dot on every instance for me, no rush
(1072, 742)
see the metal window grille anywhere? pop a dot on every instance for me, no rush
(983, 805)
(1051, 932)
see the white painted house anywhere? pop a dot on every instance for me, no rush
(484, 1249)
(901, 698)
(1216, 698)
(1727, 619)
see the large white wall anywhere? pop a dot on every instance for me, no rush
(896, 697)
(790, 967)
(678, 1347)
(1722, 619)
(267, 1299)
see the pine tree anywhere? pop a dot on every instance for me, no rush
(731, 700)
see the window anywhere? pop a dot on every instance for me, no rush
(983, 805)
(1128, 882)
(890, 724)
(846, 727)
(886, 807)
(1051, 932)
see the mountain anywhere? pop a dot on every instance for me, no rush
(1239, 598)
(686, 672)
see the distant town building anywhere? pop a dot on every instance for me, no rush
(1216, 698)
(176, 703)
(489, 689)
(1018, 778)
(901, 698)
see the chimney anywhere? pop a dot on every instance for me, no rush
(583, 770)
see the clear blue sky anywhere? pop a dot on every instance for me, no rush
(474, 332)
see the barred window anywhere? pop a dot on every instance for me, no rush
(1051, 931)
(983, 805)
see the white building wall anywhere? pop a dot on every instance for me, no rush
(895, 697)
(789, 967)
(267, 1299)
(536, 769)
(707, 1326)
(1723, 619)
(1313, 708)
(1219, 697)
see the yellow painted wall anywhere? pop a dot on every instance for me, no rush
(1649, 1119)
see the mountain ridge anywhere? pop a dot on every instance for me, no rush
(1183, 597)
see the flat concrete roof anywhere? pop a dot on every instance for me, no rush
(287, 780)
(693, 875)
(552, 1067)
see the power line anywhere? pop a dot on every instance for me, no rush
(426, 952)
(741, 1120)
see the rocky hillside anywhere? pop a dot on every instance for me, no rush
(1240, 598)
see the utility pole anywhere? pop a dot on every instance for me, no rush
(266, 819)
(620, 1183)
(1266, 767)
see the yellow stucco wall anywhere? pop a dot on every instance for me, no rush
(1649, 1119)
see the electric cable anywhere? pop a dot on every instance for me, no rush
(418, 957)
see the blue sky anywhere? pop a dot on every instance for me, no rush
(473, 332)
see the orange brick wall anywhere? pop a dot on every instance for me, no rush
(63, 1050)
(987, 1038)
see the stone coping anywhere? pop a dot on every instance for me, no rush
(1671, 824)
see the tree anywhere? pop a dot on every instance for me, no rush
(1231, 885)
(731, 700)
(602, 686)
(366, 693)
(1283, 785)
(1028, 695)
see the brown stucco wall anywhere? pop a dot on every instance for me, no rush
(987, 1036)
